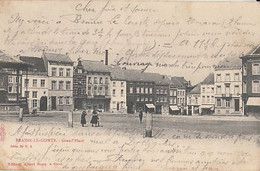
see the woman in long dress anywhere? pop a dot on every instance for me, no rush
(94, 118)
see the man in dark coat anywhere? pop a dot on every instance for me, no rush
(83, 118)
(140, 116)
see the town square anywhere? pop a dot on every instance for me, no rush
(129, 85)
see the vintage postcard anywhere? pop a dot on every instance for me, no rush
(129, 85)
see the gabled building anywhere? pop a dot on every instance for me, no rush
(79, 86)
(91, 85)
(161, 92)
(251, 82)
(186, 84)
(194, 100)
(228, 87)
(173, 87)
(181, 94)
(208, 95)
(35, 84)
(60, 72)
(118, 90)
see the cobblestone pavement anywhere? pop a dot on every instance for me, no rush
(231, 125)
(200, 140)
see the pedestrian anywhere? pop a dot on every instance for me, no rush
(140, 116)
(98, 120)
(94, 118)
(83, 118)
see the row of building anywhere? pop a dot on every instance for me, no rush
(55, 82)
(47, 84)
(233, 88)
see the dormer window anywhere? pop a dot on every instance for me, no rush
(79, 61)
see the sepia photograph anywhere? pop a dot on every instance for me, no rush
(129, 85)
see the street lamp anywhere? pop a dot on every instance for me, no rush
(149, 120)
(149, 125)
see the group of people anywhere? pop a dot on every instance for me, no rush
(95, 119)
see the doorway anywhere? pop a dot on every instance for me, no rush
(236, 105)
(158, 109)
(43, 103)
(130, 108)
(53, 102)
(118, 106)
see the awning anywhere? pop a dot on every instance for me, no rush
(174, 108)
(253, 101)
(149, 105)
(207, 106)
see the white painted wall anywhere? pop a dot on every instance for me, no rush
(61, 93)
(41, 91)
(117, 97)
(232, 82)
(209, 94)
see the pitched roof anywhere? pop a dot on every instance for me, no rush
(60, 58)
(196, 89)
(176, 83)
(117, 73)
(209, 79)
(230, 62)
(94, 66)
(182, 80)
(157, 78)
(255, 53)
(38, 63)
(138, 75)
(7, 61)
(134, 75)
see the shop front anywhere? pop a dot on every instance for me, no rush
(253, 106)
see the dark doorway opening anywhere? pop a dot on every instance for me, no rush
(53, 102)
(236, 105)
(117, 107)
(158, 109)
(43, 103)
(130, 108)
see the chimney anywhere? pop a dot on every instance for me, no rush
(67, 53)
(18, 56)
(79, 61)
(189, 83)
(106, 57)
